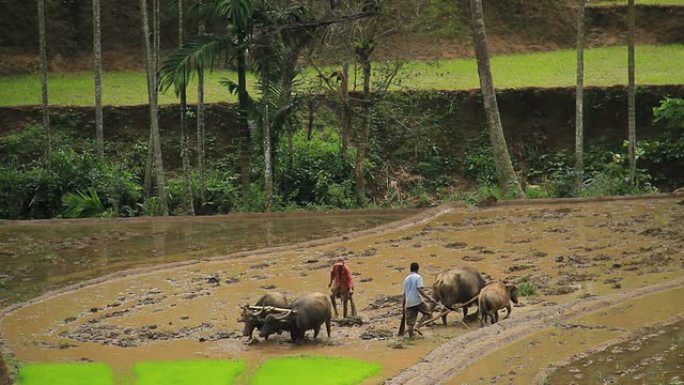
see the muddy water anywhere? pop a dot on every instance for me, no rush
(37, 256)
(656, 357)
(568, 251)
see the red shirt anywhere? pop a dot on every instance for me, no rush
(342, 275)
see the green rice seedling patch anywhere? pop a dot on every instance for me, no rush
(314, 370)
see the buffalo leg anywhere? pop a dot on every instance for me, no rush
(345, 302)
(317, 330)
(334, 304)
(444, 319)
(353, 306)
(508, 313)
(327, 326)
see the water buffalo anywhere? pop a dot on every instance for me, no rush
(255, 318)
(457, 286)
(494, 297)
(308, 312)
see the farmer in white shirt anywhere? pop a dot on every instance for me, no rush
(414, 293)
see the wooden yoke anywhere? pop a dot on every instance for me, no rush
(269, 308)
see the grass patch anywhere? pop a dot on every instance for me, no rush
(313, 370)
(604, 67)
(527, 288)
(204, 372)
(66, 374)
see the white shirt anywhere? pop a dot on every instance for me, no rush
(411, 285)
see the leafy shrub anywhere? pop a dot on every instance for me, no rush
(81, 204)
(479, 161)
(526, 288)
(670, 110)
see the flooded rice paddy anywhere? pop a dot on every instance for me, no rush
(37, 256)
(572, 253)
(655, 357)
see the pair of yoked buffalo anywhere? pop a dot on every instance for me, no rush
(274, 314)
(464, 287)
(457, 288)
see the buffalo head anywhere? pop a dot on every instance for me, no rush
(276, 323)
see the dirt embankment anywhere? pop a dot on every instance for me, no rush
(414, 29)
(535, 120)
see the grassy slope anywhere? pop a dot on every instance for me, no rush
(604, 67)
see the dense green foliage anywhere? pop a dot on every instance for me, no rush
(413, 161)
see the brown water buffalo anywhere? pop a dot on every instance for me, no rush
(457, 286)
(255, 318)
(494, 297)
(308, 312)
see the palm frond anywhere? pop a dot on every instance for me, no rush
(204, 52)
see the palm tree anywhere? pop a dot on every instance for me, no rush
(44, 81)
(200, 118)
(185, 154)
(504, 168)
(579, 99)
(364, 50)
(97, 43)
(631, 94)
(154, 113)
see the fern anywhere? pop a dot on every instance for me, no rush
(81, 204)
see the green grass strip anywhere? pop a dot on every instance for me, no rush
(313, 370)
(66, 374)
(201, 372)
(606, 66)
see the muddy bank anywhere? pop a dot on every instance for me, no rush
(190, 311)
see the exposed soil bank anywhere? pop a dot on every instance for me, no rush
(536, 120)
(424, 32)
(576, 252)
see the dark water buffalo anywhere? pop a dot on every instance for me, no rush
(494, 297)
(457, 286)
(308, 312)
(255, 318)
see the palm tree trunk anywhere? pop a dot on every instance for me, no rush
(268, 162)
(631, 94)
(346, 108)
(154, 113)
(365, 131)
(156, 41)
(200, 121)
(579, 100)
(97, 49)
(504, 168)
(44, 82)
(185, 153)
(243, 101)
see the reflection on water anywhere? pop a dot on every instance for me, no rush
(42, 255)
(654, 358)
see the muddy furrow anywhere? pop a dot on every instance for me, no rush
(455, 355)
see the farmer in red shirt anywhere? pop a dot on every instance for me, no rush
(343, 286)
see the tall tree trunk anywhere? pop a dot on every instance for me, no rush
(97, 49)
(156, 41)
(504, 168)
(631, 93)
(346, 108)
(200, 121)
(243, 101)
(185, 153)
(362, 146)
(579, 99)
(44, 82)
(268, 162)
(154, 113)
